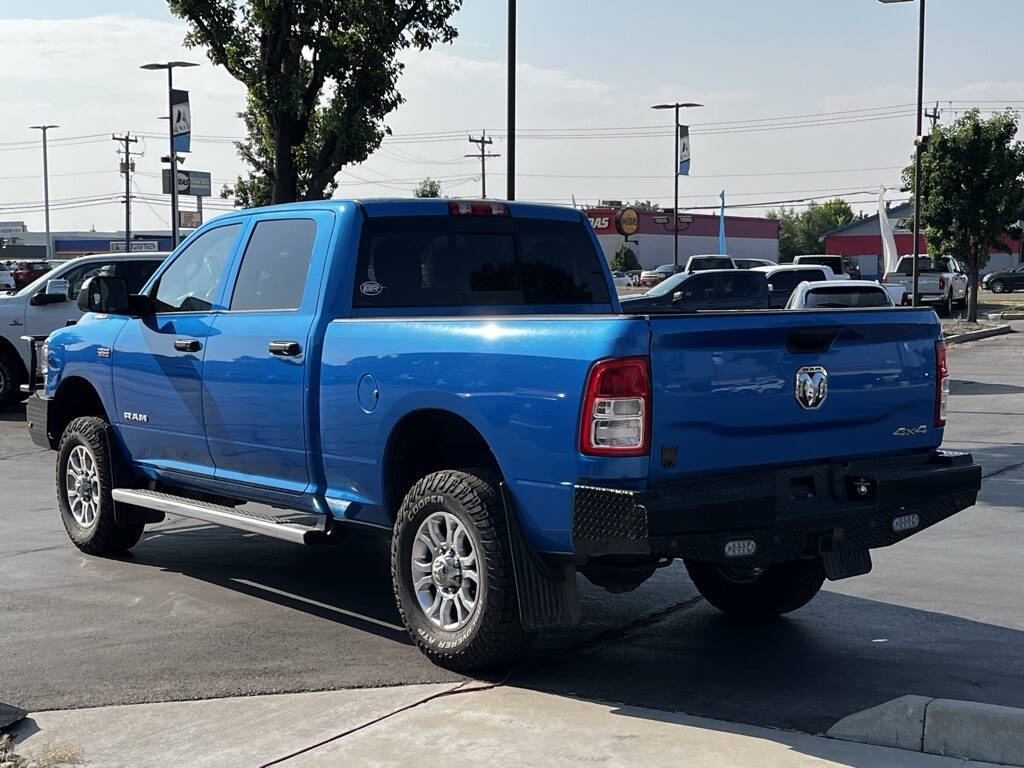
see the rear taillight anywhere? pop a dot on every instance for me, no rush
(941, 384)
(942, 283)
(616, 417)
(885, 279)
(476, 208)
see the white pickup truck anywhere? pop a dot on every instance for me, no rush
(48, 303)
(942, 284)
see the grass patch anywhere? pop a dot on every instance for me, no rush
(51, 755)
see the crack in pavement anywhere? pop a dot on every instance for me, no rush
(1002, 470)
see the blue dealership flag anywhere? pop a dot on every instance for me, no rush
(684, 150)
(181, 120)
(721, 226)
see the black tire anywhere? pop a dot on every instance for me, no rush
(744, 593)
(101, 535)
(12, 376)
(997, 286)
(493, 635)
(945, 309)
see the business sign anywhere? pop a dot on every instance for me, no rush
(8, 228)
(196, 183)
(140, 246)
(181, 120)
(684, 150)
(189, 219)
(627, 221)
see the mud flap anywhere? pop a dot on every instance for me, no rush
(843, 562)
(547, 593)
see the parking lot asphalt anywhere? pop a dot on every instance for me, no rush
(198, 612)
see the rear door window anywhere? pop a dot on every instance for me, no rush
(440, 261)
(275, 265)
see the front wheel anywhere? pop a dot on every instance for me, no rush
(752, 593)
(85, 471)
(451, 567)
(11, 379)
(997, 286)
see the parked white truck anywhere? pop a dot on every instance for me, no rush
(942, 284)
(48, 303)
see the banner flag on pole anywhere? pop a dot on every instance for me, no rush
(888, 241)
(721, 226)
(684, 150)
(181, 120)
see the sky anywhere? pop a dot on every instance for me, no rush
(803, 99)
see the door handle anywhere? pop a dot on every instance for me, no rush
(186, 345)
(285, 348)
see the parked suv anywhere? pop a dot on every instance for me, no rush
(48, 303)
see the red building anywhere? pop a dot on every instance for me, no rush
(863, 239)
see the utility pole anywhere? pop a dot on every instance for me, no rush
(46, 188)
(510, 171)
(933, 115)
(483, 142)
(127, 166)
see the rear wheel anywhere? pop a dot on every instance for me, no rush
(451, 566)
(85, 471)
(945, 309)
(997, 286)
(747, 592)
(11, 378)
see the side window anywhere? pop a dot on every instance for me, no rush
(190, 283)
(275, 265)
(699, 287)
(136, 273)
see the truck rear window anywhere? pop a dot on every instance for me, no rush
(441, 261)
(839, 296)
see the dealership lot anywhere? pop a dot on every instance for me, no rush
(199, 612)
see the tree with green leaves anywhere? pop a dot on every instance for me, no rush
(624, 259)
(972, 190)
(800, 232)
(645, 205)
(428, 188)
(321, 76)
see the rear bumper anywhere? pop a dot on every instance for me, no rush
(788, 513)
(37, 416)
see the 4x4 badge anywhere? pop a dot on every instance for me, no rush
(811, 387)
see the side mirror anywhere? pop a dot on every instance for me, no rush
(106, 295)
(42, 299)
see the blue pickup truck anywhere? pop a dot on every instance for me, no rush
(461, 375)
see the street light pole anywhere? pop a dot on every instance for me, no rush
(510, 153)
(675, 204)
(46, 188)
(918, 144)
(169, 66)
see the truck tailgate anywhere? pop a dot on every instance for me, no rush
(724, 386)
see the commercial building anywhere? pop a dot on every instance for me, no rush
(862, 240)
(651, 241)
(17, 243)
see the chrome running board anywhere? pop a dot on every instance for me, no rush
(217, 514)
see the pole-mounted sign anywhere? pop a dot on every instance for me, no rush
(627, 221)
(196, 183)
(684, 150)
(181, 120)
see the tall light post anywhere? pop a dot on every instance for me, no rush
(675, 164)
(169, 66)
(918, 140)
(510, 112)
(46, 188)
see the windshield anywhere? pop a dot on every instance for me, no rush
(846, 297)
(667, 285)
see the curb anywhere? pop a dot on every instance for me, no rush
(1006, 315)
(984, 333)
(965, 729)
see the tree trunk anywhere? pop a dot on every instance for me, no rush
(286, 178)
(972, 287)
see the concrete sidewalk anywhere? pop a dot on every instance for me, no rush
(502, 726)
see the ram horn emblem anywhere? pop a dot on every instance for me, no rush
(811, 387)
